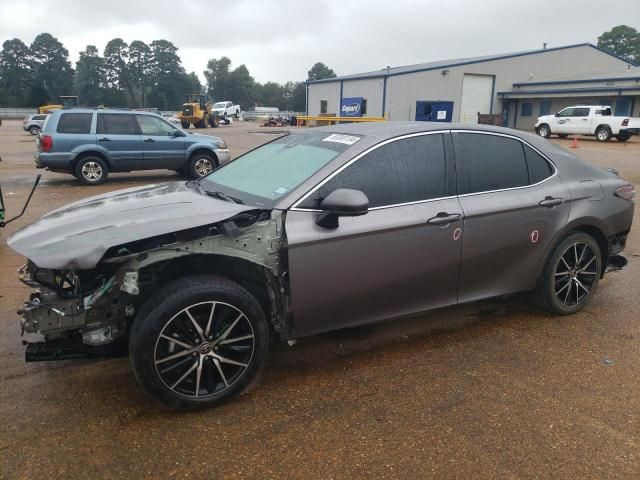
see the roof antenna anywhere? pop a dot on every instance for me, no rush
(544, 46)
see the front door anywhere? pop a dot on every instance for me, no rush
(513, 204)
(400, 258)
(118, 134)
(162, 149)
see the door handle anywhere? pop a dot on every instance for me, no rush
(551, 202)
(444, 218)
(105, 139)
(149, 140)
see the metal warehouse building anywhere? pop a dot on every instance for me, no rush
(523, 85)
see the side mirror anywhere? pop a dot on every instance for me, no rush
(342, 202)
(178, 133)
(557, 114)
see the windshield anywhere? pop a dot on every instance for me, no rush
(263, 176)
(219, 105)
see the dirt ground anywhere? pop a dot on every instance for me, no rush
(493, 389)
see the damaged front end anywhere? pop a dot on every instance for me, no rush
(88, 313)
(79, 314)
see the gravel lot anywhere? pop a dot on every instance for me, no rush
(492, 389)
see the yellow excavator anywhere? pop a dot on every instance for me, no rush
(197, 110)
(66, 101)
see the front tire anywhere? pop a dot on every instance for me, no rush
(200, 165)
(603, 134)
(570, 276)
(198, 342)
(91, 170)
(544, 131)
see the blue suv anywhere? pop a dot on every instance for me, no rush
(91, 143)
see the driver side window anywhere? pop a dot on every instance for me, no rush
(403, 171)
(567, 112)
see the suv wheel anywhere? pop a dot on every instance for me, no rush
(544, 131)
(198, 342)
(91, 170)
(201, 164)
(571, 275)
(603, 134)
(33, 130)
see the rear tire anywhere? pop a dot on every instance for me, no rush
(544, 131)
(205, 368)
(34, 130)
(91, 170)
(213, 120)
(237, 114)
(603, 134)
(571, 275)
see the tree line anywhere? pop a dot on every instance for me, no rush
(132, 75)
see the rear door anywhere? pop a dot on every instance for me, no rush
(399, 258)
(118, 134)
(162, 149)
(513, 203)
(582, 120)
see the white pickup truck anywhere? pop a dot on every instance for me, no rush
(226, 109)
(588, 120)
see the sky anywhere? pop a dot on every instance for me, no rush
(280, 40)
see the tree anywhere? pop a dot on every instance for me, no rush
(218, 78)
(295, 96)
(271, 94)
(319, 72)
(90, 77)
(140, 63)
(169, 79)
(53, 75)
(116, 62)
(623, 41)
(15, 73)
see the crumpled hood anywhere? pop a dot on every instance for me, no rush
(78, 235)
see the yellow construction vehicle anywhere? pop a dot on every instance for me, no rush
(66, 101)
(197, 110)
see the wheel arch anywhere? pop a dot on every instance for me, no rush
(201, 149)
(90, 152)
(588, 226)
(258, 280)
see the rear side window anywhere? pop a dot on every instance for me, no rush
(403, 171)
(605, 112)
(580, 112)
(116, 124)
(489, 162)
(74, 123)
(538, 167)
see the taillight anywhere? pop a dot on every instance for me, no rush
(625, 122)
(628, 192)
(46, 143)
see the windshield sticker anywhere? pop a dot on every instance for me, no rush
(280, 191)
(337, 138)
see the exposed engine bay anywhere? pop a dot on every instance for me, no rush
(86, 313)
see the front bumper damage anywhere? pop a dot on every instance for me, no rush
(88, 313)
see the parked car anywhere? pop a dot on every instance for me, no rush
(33, 123)
(318, 230)
(226, 109)
(91, 143)
(588, 120)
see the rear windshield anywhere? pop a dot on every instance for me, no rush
(74, 123)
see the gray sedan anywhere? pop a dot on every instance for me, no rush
(318, 230)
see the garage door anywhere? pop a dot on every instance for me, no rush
(476, 97)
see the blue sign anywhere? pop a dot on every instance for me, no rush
(351, 107)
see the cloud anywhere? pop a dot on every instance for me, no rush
(280, 40)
